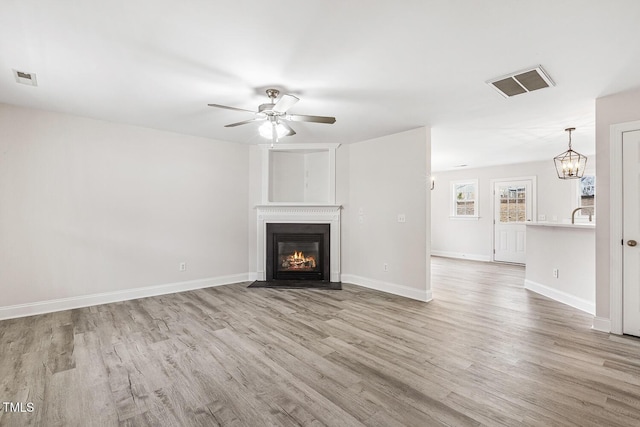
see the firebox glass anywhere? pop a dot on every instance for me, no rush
(298, 256)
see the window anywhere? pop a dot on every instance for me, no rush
(513, 203)
(587, 195)
(465, 199)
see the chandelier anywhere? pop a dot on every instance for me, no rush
(570, 164)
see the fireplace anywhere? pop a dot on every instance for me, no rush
(298, 251)
(327, 216)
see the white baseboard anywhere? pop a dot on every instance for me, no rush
(461, 255)
(253, 276)
(560, 296)
(601, 324)
(41, 307)
(392, 288)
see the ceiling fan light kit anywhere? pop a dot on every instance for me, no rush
(275, 115)
(268, 128)
(570, 164)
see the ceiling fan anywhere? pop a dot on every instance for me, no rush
(275, 117)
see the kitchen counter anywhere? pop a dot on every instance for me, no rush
(591, 225)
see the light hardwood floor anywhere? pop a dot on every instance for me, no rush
(483, 352)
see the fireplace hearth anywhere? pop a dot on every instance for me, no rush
(298, 252)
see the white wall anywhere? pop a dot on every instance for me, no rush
(299, 176)
(388, 176)
(287, 177)
(316, 177)
(472, 239)
(255, 198)
(618, 108)
(89, 207)
(342, 198)
(570, 250)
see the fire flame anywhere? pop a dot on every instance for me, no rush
(298, 260)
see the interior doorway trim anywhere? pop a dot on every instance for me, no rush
(616, 136)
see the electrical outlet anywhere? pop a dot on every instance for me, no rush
(402, 218)
(542, 217)
(555, 273)
(385, 267)
(182, 266)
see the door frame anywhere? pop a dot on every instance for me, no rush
(616, 136)
(534, 206)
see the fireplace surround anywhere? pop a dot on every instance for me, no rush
(329, 215)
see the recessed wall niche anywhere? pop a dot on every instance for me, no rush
(299, 175)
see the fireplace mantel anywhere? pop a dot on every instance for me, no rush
(299, 213)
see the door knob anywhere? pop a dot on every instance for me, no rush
(632, 243)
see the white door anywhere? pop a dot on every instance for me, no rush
(631, 232)
(513, 207)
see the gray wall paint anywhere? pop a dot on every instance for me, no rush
(316, 177)
(474, 238)
(287, 177)
(572, 252)
(299, 176)
(88, 206)
(255, 198)
(388, 176)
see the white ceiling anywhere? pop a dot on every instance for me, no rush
(379, 67)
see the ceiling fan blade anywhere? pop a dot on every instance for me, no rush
(230, 108)
(257, 119)
(288, 128)
(284, 103)
(314, 119)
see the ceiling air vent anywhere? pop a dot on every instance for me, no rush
(521, 82)
(25, 78)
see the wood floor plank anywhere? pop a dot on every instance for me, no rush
(485, 351)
